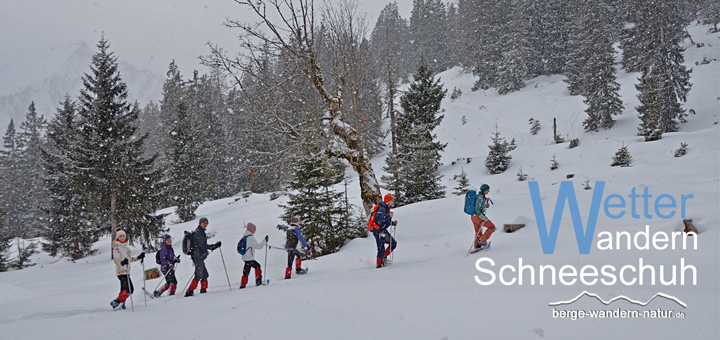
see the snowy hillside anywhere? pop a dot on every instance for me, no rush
(432, 289)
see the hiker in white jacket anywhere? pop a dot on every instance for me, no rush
(249, 256)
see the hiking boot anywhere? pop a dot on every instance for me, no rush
(203, 291)
(157, 293)
(114, 303)
(258, 281)
(189, 293)
(300, 271)
(480, 245)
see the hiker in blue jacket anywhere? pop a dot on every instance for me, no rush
(294, 235)
(383, 221)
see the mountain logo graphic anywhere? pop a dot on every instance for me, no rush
(621, 297)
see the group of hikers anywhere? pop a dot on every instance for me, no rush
(381, 220)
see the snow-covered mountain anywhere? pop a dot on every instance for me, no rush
(63, 73)
(433, 290)
(45, 44)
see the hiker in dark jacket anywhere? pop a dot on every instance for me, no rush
(201, 249)
(167, 266)
(294, 235)
(383, 221)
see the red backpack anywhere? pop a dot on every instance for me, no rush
(371, 221)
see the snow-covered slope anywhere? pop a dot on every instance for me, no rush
(430, 291)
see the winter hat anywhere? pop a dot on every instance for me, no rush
(484, 187)
(388, 198)
(118, 233)
(203, 219)
(295, 219)
(166, 237)
(251, 227)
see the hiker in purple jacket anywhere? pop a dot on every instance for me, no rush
(167, 266)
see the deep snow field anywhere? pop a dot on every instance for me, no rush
(430, 291)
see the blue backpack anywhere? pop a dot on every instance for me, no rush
(242, 245)
(470, 198)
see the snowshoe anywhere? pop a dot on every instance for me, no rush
(189, 293)
(481, 245)
(203, 291)
(300, 271)
(117, 305)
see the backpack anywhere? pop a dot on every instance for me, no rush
(157, 257)
(187, 243)
(371, 221)
(242, 245)
(470, 198)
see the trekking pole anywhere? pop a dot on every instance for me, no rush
(131, 290)
(142, 262)
(392, 255)
(191, 277)
(265, 265)
(226, 273)
(164, 277)
(476, 236)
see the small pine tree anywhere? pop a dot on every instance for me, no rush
(463, 184)
(622, 157)
(587, 184)
(554, 163)
(320, 208)
(456, 93)
(498, 159)
(534, 126)
(682, 151)
(414, 169)
(521, 176)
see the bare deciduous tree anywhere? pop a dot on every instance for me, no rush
(287, 28)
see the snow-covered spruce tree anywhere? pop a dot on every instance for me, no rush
(418, 154)
(325, 221)
(599, 85)
(622, 157)
(521, 176)
(34, 198)
(120, 182)
(550, 26)
(186, 164)
(554, 163)
(463, 184)
(682, 151)
(11, 166)
(665, 82)
(483, 25)
(498, 159)
(513, 68)
(389, 42)
(534, 126)
(67, 232)
(207, 107)
(428, 28)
